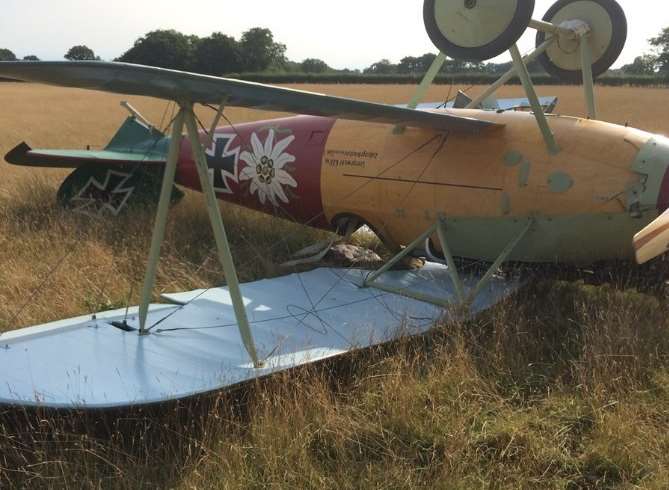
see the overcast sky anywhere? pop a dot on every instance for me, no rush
(344, 33)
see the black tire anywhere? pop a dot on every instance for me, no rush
(498, 46)
(600, 66)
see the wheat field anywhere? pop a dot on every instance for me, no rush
(565, 385)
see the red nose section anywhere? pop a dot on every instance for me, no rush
(272, 166)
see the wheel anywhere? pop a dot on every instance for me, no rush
(476, 30)
(98, 190)
(607, 39)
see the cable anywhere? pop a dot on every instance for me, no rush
(278, 318)
(283, 241)
(49, 275)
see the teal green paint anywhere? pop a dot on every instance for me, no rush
(524, 174)
(512, 158)
(652, 160)
(107, 155)
(506, 204)
(135, 137)
(503, 257)
(633, 194)
(580, 239)
(560, 182)
(452, 267)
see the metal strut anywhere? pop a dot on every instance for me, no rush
(423, 87)
(464, 298)
(186, 117)
(531, 93)
(588, 80)
(161, 219)
(513, 71)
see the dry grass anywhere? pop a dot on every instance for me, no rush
(564, 386)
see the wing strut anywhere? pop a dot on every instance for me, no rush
(186, 117)
(465, 295)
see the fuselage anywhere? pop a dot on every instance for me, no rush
(585, 202)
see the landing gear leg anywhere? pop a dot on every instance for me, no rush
(464, 298)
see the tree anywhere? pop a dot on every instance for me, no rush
(163, 48)
(383, 67)
(642, 65)
(30, 57)
(661, 44)
(408, 64)
(314, 65)
(7, 55)
(425, 62)
(497, 68)
(292, 67)
(259, 50)
(80, 53)
(416, 65)
(460, 66)
(217, 54)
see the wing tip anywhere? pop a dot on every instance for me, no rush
(19, 154)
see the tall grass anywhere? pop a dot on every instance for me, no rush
(58, 264)
(569, 395)
(565, 385)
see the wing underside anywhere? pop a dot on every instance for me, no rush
(25, 156)
(124, 78)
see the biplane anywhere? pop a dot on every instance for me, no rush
(475, 177)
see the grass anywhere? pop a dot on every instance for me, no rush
(565, 385)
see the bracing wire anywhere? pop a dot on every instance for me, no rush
(57, 264)
(314, 305)
(283, 241)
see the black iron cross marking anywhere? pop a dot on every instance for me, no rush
(223, 162)
(95, 197)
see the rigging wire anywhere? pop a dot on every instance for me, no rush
(283, 241)
(289, 316)
(37, 291)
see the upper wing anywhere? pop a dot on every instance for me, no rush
(175, 85)
(548, 104)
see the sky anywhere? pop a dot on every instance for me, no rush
(344, 33)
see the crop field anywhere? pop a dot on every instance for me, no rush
(565, 385)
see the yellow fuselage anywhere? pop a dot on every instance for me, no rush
(586, 202)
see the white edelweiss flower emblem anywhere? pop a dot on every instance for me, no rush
(265, 168)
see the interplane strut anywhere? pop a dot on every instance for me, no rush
(186, 117)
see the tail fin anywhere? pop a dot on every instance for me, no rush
(133, 143)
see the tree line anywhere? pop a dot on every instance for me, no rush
(655, 62)
(256, 51)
